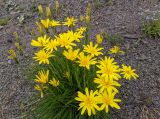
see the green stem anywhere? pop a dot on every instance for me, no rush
(84, 77)
(68, 69)
(77, 75)
(88, 34)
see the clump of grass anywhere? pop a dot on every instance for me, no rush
(73, 76)
(152, 28)
(4, 21)
(99, 4)
(114, 39)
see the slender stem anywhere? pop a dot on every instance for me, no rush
(84, 77)
(77, 75)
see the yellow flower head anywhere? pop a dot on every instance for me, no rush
(12, 54)
(40, 28)
(109, 68)
(86, 61)
(81, 18)
(108, 99)
(88, 19)
(81, 30)
(41, 41)
(99, 38)
(54, 23)
(88, 9)
(128, 72)
(42, 77)
(67, 75)
(46, 23)
(93, 50)
(40, 89)
(115, 50)
(70, 21)
(88, 102)
(52, 45)
(43, 56)
(48, 12)
(57, 5)
(75, 36)
(65, 40)
(40, 9)
(71, 54)
(105, 83)
(54, 82)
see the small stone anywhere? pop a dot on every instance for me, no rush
(10, 61)
(1, 27)
(2, 63)
(10, 38)
(142, 57)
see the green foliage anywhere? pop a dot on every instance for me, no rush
(58, 102)
(98, 4)
(4, 21)
(152, 28)
(114, 39)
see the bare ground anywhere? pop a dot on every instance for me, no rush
(140, 98)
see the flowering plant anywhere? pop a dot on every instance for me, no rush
(75, 79)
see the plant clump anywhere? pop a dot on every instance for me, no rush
(75, 79)
(152, 28)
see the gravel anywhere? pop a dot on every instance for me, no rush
(140, 98)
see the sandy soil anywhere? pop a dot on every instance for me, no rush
(141, 98)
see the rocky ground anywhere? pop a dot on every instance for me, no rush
(141, 98)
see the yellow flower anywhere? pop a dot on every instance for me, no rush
(12, 54)
(74, 36)
(70, 21)
(67, 75)
(109, 68)
(105, 83)
(43, 56)
(71, 54)
(88, 9)
(86, 61)
(57, 6)
(42, 77)
(54, 82)
(99, 38)
(128, 72)
(81, 18)
(52, 45)
(65, 40)
(40, 89)
(48, 12)
(115, 50)
(46, 23)
(108, 99)
(88, 19)
(40, 9)
(93, 50)
(81, 30)
(41, 42)
(40, 28)
(88, 102)
(54, 23)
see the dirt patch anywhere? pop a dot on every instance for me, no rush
(140, 98)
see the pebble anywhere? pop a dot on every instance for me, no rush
(1, 27)
(10, 38)
(10, 61)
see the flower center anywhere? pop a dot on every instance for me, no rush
(106, 100)
(85, 62)
(108, 70)
(107, 83)
(128, 71)
(89, 101)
